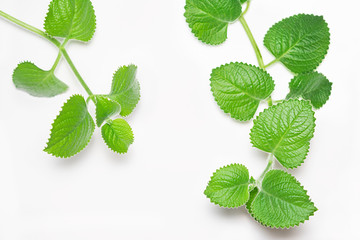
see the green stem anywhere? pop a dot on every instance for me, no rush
(30, 28)
(77, 74)
(271, 63)
(247, 8)
(253, 42)
(268, 167)
(56, 43)
(56, 63)
(270, 101)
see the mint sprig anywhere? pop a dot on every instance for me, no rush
(73, 127)
(284, 130)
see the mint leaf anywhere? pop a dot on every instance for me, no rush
(37, 82)
(312, 86)
(252, 197)
(117, 135)
(243, 1)
(229, 186)
(105, 108)
(71, 130)
(300, 42)
(282, 202)
(125, 89)
(209, 19)
(238, 89)
(71, 19)
(285, 130)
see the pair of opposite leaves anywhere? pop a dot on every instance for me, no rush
(300, 42)
(74, 126)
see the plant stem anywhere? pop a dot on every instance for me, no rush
(56, 63)
(253, 42)
(268, 167)
(77, 74)
(30, 28)
(271, 63)
(56, 43)
(247, 8)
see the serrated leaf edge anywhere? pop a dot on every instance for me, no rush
(92, 33)
(52, 125)
(312, 135)
(289, 226)
(228, 112)
(301, 14)
(219, 169)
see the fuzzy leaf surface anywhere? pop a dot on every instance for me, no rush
(117, 135)
(71, 19)
(229, 186)
(71, 130)
(312, 86)
(300, 42)
(125, 89)
(209, 19)
(105, 108)
(285, 130)
(37, 82)
(238, 89)
(282, 202)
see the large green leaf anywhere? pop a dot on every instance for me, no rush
(105, 108)
(117, 135)
(209, 19)
(71, 19)
(300, 42)
(311, 86)
(285, 130)
(71, 130)
(281, 202)
(37, 82)
(238, 89)
(125, 89)
(229, 186)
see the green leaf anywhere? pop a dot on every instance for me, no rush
(229, 186)
(105, 108)
(300, 42)
(71, 130)
(71, 19)
(253, 194)
(311, 86)
(125, 89)
(285, 130)
(243, 1)
(117, 135)
(37, 82)
(209, 19)
(238, 89)
(282, 202)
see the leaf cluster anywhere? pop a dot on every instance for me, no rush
(74, 126)
(284, 130)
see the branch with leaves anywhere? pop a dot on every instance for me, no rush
(73, 128)
(284, 130)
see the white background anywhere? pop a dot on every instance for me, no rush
(156, 190)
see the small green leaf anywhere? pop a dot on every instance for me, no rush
(285, 130)
(209, 19)
(37, 82)
(243, 1)
(105, 108)
(300, 42)
(117, 135)
(229, 186)
(71, 130)
(253, 194)
(312, 86)
(238, 89)
(125, 89)
(282, 202)
(71, 19)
